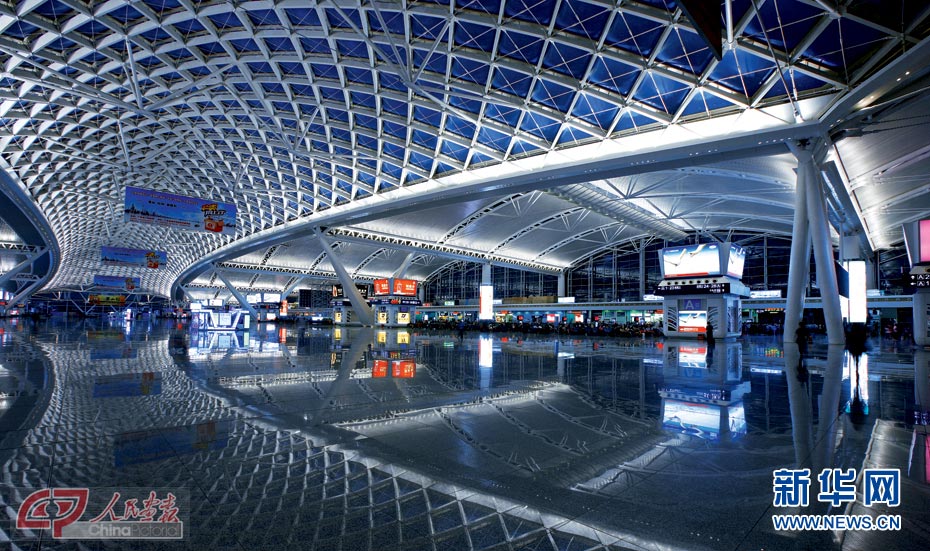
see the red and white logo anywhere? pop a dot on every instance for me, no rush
(69, 505)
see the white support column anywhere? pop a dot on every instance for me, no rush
(823, 252)
(290, 288)
(486, 274)
(560, 285)
(401, 270)
(360, 307)
(243, 302)
(24, 295)
(15, 270)
(799, 263)
(642, 269)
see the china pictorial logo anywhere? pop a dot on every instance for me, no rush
(837, 487)
(61, 509)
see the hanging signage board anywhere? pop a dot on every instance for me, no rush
(106, 300)
(117, 282)
(382, 287)
(405, 287)
(158, 208)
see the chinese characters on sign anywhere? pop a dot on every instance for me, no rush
(837, 486)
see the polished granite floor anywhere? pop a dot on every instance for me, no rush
(346, 438)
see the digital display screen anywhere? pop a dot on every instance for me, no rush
(701, 420)
(692, 321)
(382, 287)
(379, 369)
(691, 260)
(405, 287)
(736, 261)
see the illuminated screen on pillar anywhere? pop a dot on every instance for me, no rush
(691, 260)
(405, 287)
(692, 316)
(486, 303)
(382, 287)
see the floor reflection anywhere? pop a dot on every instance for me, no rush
(350, 438)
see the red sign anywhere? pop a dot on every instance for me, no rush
(379, 369)
(405, 287)
(403, 369)
(382, 287)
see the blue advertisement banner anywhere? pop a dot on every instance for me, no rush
(117, 282)
(133, 258)
(177, 211)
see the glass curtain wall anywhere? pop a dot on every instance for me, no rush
(614, 275)
(460, 281)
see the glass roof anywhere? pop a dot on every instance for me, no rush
(289, 110)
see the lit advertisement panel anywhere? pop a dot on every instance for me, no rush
(692, 321)
(735, 261)
(382, 287)
(106, 300)
(924, 240)
(702, 420)
(486, 303)
(133, 258)
(379, 369)
(691, 260)
(405, 287)
(858, 312)
(403, 369)
(178, 211)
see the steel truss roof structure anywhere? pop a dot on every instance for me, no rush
(529, 133)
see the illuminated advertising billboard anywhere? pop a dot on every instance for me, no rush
(692, 321)
(379, 369)
(702, 420)
(736, 259)
(133, 258)
(382, 287)
(117, 282)
(858, 312)
(486, 303)
(178, 211)
(691, 260)
(405, 287)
